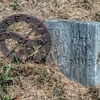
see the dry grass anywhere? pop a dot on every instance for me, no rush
(53, 9)
(43, 82)
(46, 82)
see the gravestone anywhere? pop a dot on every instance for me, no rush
(76, 48)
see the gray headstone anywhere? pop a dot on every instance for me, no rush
(76, 47)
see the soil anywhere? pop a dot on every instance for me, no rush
(45, 81)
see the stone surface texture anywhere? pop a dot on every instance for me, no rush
(76, 47)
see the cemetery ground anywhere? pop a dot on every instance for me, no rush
(29, 81)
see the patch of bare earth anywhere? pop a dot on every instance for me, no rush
(46, 82)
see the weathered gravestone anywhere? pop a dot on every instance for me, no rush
(76, 47)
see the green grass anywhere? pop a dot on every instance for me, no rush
(15, 4)
(16, 57)
(58, 90)
(5, 97)
(11, 27)
(4, 77)
(5, 80)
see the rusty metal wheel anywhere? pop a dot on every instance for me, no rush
(35, 48)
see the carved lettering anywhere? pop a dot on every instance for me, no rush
(57, 32)
(89, 62)
(80, 61)
(75, 35)
(8, 22)
(80, 35)
(77, 61)
(17, 18)
(28, 19)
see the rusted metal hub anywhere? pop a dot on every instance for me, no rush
(41, 41)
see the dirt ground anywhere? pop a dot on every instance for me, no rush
(46, 82)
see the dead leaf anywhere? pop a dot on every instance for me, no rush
(1, 71)
(17, 98)
(47, 91)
